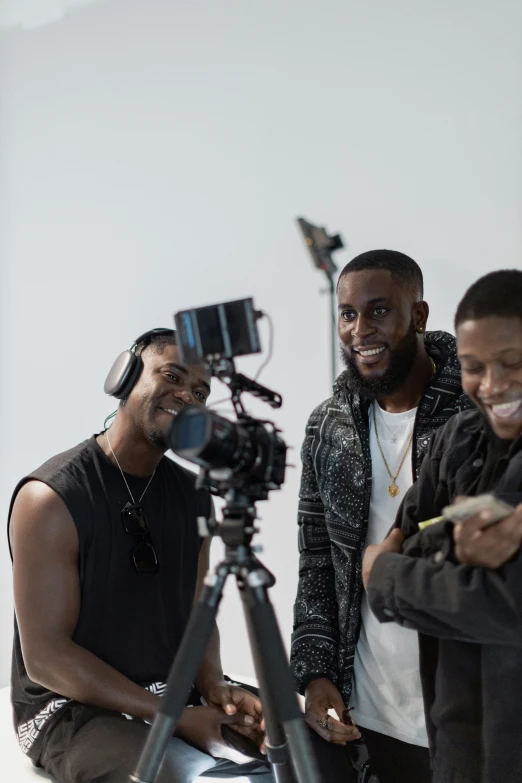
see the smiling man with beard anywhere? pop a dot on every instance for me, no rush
(107, 561)
(363, 449)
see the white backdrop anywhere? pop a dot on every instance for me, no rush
(154, 155)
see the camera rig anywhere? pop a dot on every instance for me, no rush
(241, 461)
(248, 454)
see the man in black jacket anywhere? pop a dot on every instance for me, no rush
(363, 450)
(469, 616)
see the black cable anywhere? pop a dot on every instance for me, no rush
(109, 417)
(270, 346)
(263, 365)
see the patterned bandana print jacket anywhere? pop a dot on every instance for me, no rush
(333, 515)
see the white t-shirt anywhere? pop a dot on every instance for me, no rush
(387, 694)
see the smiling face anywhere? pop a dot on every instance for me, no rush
(378, 328)
(164, 388)
(490, 353)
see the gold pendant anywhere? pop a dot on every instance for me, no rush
(393, 490)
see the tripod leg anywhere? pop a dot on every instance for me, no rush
(276, 742)
(277, 686)
(184, 670)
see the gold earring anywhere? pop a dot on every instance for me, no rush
(420, 330)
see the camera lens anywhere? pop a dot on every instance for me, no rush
(209, 440)
(188, 432)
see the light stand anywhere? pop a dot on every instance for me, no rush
(321, 247)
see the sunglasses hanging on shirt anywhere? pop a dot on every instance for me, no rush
(143, 555)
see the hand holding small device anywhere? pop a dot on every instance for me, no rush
(488, 531)
(489, 538)
(491, 508)
(241, 743)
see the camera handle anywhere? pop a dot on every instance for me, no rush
(288, 744)
(225, 370)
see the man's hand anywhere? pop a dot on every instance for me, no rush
(235, 700)
(201, 726)
(483, 546)
(321, 695)
(392, 543)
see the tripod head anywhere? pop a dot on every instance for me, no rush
(238, 525)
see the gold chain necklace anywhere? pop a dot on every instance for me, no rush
(393, 489)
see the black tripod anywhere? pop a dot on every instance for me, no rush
(288, 747)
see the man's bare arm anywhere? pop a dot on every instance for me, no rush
(44, 544)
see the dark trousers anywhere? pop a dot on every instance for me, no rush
(392, 760)
(395, 761)
(107, 749)
(444, 773)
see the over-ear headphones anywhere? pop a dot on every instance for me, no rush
(126, 369)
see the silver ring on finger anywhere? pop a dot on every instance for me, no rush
(323, 722)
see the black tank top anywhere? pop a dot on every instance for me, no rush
(132, 621)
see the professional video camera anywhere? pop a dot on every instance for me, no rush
(248, 454)
(241, 461)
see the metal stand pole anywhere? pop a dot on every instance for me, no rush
(333, 309)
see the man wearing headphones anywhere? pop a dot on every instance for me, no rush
(107, 561)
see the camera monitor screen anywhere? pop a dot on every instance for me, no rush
(220, 331)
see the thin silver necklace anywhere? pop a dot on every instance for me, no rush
(123, 474)
(394, 435)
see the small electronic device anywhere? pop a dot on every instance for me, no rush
(459, 512)
(242, 744)
(222, 331)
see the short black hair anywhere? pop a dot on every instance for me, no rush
(403, 269)
(157, 342)
(496, 294)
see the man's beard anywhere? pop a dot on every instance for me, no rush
(157, 438)
(401, 362)
(149, 427)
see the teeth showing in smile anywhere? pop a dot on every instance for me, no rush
(171, 411)
(371, 352)
(506, 409)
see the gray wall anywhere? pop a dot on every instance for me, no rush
(154, 155)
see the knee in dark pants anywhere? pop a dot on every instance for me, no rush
(333, 761)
